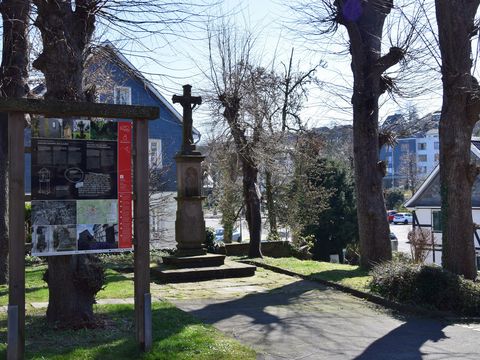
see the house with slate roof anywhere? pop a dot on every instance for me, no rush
(426, 204)
(112, 78)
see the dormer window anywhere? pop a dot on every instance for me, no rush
(122, 95)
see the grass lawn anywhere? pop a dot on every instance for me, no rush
(346, 275)
(176, 335)
(118, 286)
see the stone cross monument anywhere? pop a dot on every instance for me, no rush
(187, 100)
(190, 223)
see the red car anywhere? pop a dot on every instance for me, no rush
(390, 215)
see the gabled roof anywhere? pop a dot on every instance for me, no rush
(112, 49)
(41, 89)
(431, 185)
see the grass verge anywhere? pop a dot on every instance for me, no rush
(176, 335)
(346, 275)
(117, 286)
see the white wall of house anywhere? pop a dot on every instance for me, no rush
(426, 217)
(163, 207)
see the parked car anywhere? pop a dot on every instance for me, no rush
(235, 235)
(403, 218)
(390, 215)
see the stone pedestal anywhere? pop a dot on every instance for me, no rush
(190, 222)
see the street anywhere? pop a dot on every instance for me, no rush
(401, 232)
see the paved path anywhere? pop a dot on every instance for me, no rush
(300, 319)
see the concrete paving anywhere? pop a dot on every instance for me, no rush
(283, 317)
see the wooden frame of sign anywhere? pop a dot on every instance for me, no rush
(16, 108)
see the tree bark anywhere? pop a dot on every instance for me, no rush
(13, 83)
(72, 281)
(249, 172)
(252, 207)
(365, 29)
(459, 115)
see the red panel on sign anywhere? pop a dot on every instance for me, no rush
(124, 185)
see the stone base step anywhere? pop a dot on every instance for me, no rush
(208, 260)
(229, 270)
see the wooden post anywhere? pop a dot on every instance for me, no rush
(16, 232)
(141, 231)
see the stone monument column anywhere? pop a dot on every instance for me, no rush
(190, 222)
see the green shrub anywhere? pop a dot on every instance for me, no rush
(426, 285)
(394, 198)
(210, 243)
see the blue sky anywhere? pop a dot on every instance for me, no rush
(176, 61)
(171, 61)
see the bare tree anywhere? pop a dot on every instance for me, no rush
(408, 168)
(236, 82)
(289, 89)
(364, 23)
(460, 111)
(13, 83)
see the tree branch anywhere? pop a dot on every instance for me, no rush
(390, 59)
(473, 102)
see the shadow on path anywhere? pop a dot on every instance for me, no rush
(405, 341)
(295, 322)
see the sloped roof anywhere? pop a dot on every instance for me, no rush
(40, 89)
(428, 195)
(107, 45)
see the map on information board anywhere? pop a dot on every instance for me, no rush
(81, 186)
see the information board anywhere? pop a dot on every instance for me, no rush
(81, 186)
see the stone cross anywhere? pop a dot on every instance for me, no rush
(187, 100)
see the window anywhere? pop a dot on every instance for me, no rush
(156, 222)
(155, 153)
(436, 220)
(422, 158)
(422, 169)
(422, 146)
(436, 145)
(405, 147)
(437, 157)
(122, 95)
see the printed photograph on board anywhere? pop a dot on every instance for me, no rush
(54, 212)
(97, 236)
(101, 129)
(42, 239)
(81, 129)
(97, 211)
(65, 238)
(52, 128)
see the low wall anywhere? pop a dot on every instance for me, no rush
(269, 248)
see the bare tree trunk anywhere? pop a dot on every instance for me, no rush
(365, 29)
(460, 112)
(272, 213)
(72, 281)
(13, 83)
(252, 207)
(249, 173)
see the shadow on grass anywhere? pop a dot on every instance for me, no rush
(112, 277)
(116, 340)
(116, 277)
